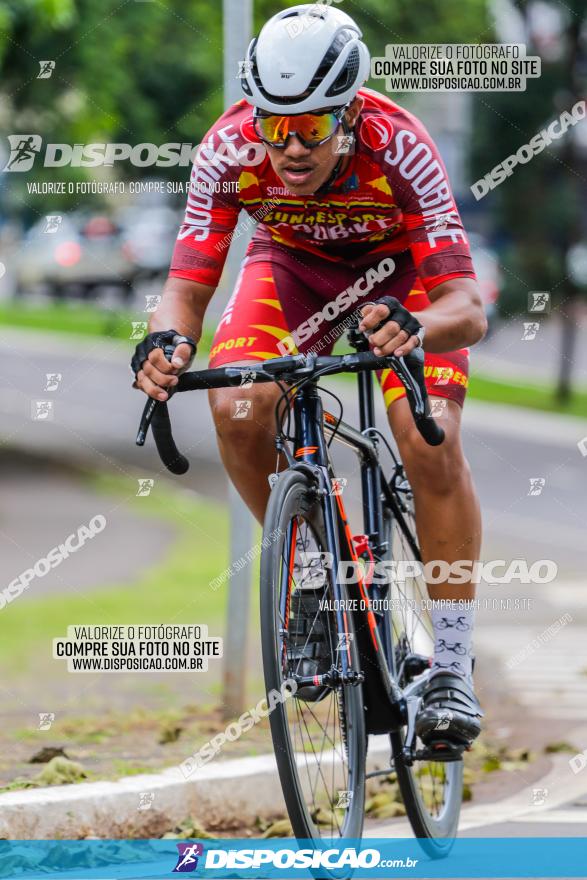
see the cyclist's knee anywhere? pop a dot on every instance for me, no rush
(433, 469)
(242, 416)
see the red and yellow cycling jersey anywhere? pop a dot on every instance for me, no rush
(393, 196)
(391, 207)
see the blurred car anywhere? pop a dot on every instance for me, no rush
(74, 253)
(489, 276)
(149, 234)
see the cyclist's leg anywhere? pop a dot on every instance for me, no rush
(440, 475)
(448, 522)
(247, 333)
(273, 296)
(447, 509)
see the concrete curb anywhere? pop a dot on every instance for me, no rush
(230, 791)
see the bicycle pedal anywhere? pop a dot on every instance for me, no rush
(442, 750)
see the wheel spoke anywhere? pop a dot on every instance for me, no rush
(413, 633)
(315, 717)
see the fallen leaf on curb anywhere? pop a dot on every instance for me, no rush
(190, 828)
(523, 755)
(385, 805)
(170, 733)
(553, 748)
(281, 828)
(60, 771)
(491, 763)
(44, 755)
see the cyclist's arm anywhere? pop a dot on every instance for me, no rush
(198, 257)
(437, 241)
(455, 318)
(182, 308)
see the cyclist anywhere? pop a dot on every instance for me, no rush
(355, 213)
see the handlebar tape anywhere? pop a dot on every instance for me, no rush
(170, 455)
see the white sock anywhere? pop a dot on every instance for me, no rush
(453, 623)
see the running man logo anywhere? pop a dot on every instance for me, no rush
(247, 378)
(52, 223)
(46, 69)
(53, 381)
(539, 301)
(530, 330)
(46, 719)
(23, 151)
(139, 328)
(242, 409)
(146, 799)
(42, 410)
(344, 799)
(344, 641)
(187, 860)
(444, 719)
(152, 302)
(345, 143)
(339, 484)
(537, 484)
(438, 407)
(145, 486)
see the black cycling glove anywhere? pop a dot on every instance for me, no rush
(401, 316)
(165, 339)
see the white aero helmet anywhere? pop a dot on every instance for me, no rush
(306, 58)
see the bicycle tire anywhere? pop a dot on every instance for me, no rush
(435, 833)
(291, 497)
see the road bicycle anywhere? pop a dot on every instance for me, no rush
(351, 654)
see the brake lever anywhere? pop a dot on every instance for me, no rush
(151, 404)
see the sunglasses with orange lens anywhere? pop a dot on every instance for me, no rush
(312, 129)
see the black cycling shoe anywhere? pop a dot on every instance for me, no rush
(448, 720)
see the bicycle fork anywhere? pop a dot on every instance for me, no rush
(311, 453)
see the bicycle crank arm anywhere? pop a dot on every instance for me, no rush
(412, 705)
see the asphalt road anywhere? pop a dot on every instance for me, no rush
(94, 417)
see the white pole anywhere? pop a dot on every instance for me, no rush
(237, 24)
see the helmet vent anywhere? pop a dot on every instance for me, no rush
(347, 76)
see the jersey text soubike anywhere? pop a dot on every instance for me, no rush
(393, 196)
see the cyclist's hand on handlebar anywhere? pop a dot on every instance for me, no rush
(154, 373)
(391, 328)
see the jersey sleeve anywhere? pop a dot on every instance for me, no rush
(433, 226)
(212, 207)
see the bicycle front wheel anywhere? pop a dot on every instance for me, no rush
(318, 731)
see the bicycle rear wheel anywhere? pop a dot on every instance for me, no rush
(319, 732)
(431, 790)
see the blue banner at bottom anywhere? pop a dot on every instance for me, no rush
(286, 858)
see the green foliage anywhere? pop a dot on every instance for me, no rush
(537, 210)
(153, 71)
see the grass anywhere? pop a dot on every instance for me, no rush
(174, 591)
(78, 318)
(539, 397)
(69, 317)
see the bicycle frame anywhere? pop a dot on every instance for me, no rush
(385, 704)
(388, 707)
